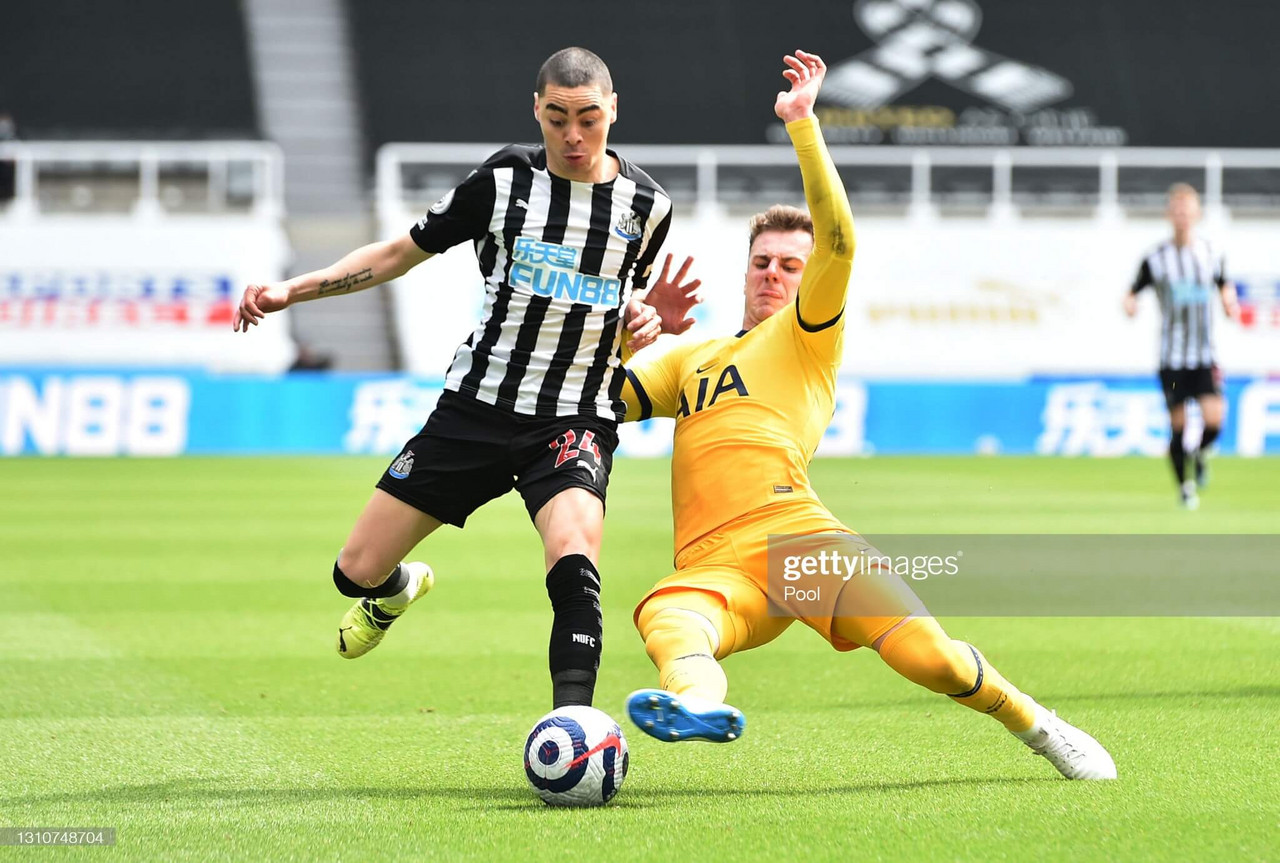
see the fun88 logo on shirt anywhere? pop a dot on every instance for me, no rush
(1186, 293)
(551, 270)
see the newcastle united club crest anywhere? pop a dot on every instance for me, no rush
(401, 466)
(628, 226)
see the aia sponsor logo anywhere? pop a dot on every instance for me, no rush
(729, 381)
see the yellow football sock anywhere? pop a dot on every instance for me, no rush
(921, 652)
(680, 643)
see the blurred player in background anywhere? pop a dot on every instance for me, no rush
(1185, 271)
(750, 410)
(565, 235)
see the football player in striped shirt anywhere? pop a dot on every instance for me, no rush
(1185, 272)
(750, 410)
(565, 235)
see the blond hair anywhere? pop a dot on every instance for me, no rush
(781, 218)
(1178, 190)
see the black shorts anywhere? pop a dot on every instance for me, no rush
(1179, 385)
(470, 452)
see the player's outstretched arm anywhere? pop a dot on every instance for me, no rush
(365, 267)
(826, 275)
(1140, 283)
(1230, 300)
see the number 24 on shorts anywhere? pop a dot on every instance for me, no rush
(565, 444)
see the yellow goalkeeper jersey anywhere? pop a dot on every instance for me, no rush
(750, 409)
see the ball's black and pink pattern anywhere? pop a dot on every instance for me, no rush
(549, 748)
(576, 756)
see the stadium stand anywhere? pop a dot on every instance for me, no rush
(309, 109)
(143, 69)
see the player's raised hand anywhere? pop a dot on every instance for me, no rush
(674, 298)
(257, 302)
(805, 71)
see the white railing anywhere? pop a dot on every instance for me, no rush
(707, 163)
(264, 187)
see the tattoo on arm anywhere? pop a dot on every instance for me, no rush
(346, 283)
(838, 243)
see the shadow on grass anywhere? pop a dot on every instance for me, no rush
(1256, 691)
(651, 797)
(499, 797)
(1052, 699)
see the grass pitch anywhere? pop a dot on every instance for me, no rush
(167, 668)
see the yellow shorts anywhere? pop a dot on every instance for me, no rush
(724, 576)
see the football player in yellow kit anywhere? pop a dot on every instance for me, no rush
(750, 410)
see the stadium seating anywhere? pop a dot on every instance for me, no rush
(143, 69)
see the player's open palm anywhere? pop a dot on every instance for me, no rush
(257, 302)
(805, 71)
(675, 298)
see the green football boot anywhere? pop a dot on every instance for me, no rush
(366, 622)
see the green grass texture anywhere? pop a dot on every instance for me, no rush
(167, 668)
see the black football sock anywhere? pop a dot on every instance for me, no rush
(395, 583)
(1178, 456)
(1207, 438)
(573, 585)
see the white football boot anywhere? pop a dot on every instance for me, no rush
(1072, 751)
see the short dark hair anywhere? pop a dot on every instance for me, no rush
(782, 218)
(574, 67)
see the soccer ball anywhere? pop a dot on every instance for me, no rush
(576, 756)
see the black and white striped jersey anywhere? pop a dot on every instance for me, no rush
(1187, 280)
(559, 261)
